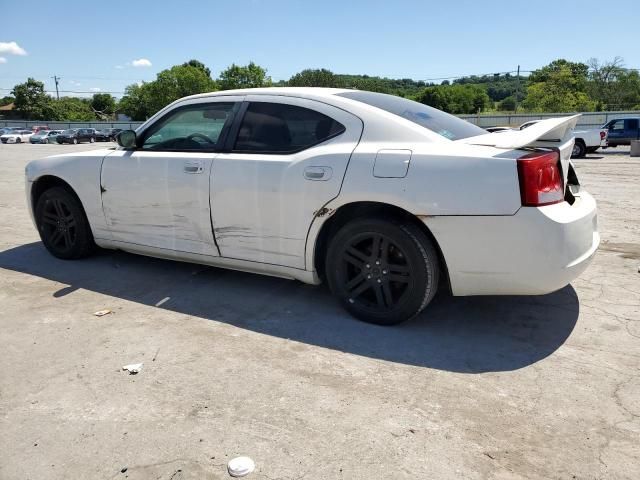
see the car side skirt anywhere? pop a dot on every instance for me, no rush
(280, 271)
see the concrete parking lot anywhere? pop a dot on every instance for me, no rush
(240, 364)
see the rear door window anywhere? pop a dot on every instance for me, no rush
(631, 124)
(280, 128)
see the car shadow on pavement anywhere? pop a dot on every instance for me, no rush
(467, 334)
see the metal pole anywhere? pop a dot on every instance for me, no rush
(517, 90)
(55, 79)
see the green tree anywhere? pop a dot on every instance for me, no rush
(72, 109)
(455, 98)
(31, 101)
(612, 86)
(507, 105)
(6, 100)
(248, 76)
(141, 101)
(103, 103)
(562, 90)
(135, 102)
(579, 71)
(316, 78)
(199, 65)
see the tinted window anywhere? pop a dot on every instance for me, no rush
(192, 128)
(631, 124)
(280, 128)
(617, 126)
(437, 121)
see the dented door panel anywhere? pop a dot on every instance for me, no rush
(263, 204)
(159, 199)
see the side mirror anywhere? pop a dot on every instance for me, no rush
(126, 139)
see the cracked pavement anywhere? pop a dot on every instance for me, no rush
(239, 364)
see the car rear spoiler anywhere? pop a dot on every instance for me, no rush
(551, 131)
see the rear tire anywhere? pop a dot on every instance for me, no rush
(63, 225)
(579, 149)
(383, 271)
(75, 141)
(18, 140)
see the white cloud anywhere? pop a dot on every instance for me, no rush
(95, 89)
(141, 62)
(3, 60)
(12, 48)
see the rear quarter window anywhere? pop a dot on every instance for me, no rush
(444, 124)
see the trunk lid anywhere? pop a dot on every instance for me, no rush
(555, 133)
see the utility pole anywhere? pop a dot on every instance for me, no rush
(517, 90)
(56, 79)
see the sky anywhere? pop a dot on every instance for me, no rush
(98, 46)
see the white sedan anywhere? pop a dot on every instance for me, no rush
(385, 199)
(16, 136)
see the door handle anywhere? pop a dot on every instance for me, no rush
(193, 167)
(318, 173)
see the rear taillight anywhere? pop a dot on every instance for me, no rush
(540, 179)
(603, 135)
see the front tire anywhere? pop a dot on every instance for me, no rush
(62, 224)
(18, 140)
(382, 271)
(75, 141)
(91, 140)
(45, 141)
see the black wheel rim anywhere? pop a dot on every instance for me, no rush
(59, 226)
(374, 274)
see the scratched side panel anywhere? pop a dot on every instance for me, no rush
(262, 205)
(150, 200)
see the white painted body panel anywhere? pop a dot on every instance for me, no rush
(536, 251)
(267, 217)
(262, 205)
(151, 200)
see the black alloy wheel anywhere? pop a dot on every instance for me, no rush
(383, 272)
(62, 224)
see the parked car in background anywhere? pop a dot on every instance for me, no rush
(16, 136)
(102, 136)
(378, 195)
(45, 136)
(77, 135)
(113, 132)
(622, 131)
(39, 128)
(4, 130)
(587, 140)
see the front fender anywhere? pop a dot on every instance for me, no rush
(81, 172)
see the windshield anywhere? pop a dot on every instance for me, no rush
(437, 121)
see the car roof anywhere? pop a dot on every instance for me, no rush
(308, 92)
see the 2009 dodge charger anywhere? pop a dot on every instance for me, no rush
(384, 198)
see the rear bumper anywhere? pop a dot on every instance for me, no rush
(536, 251)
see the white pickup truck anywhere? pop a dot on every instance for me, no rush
(587, 141)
